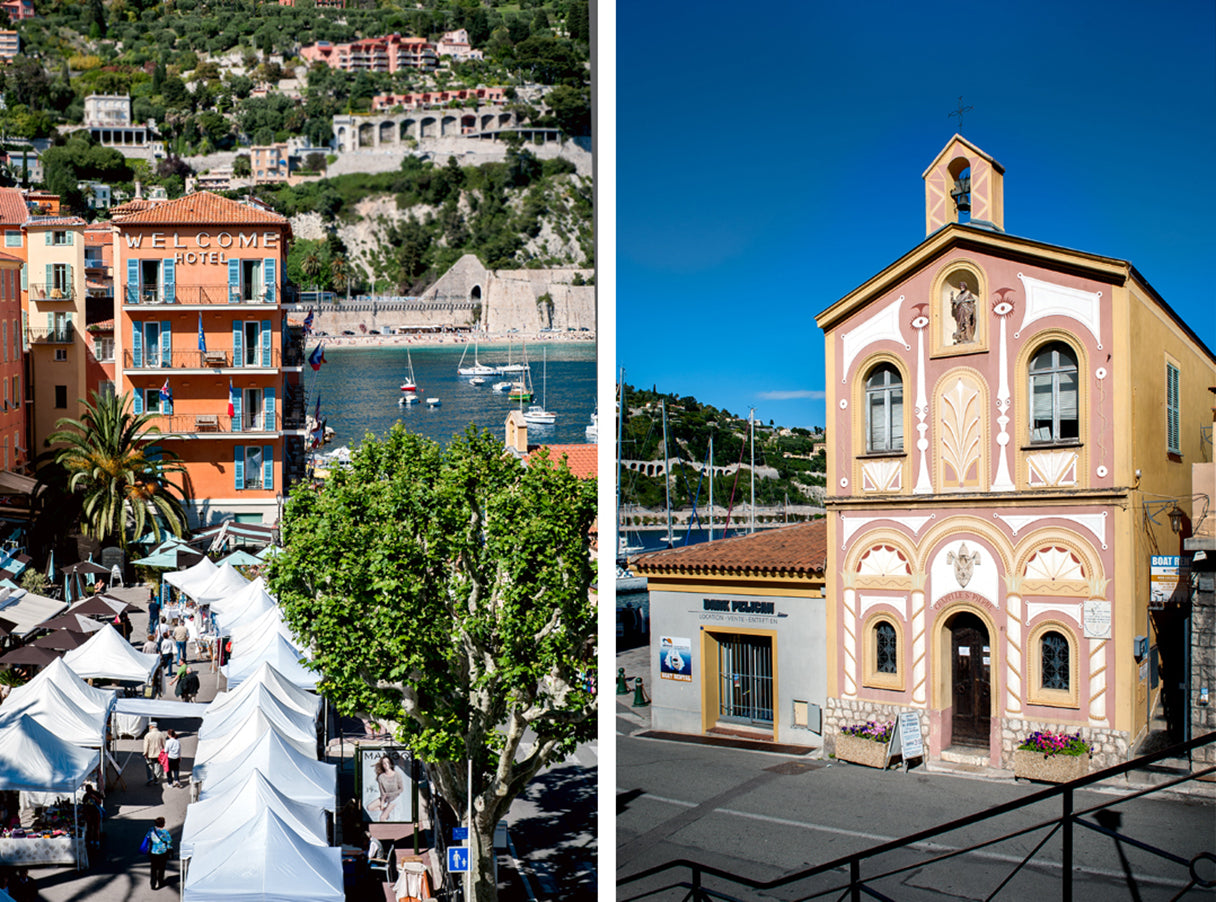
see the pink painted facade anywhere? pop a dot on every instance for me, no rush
(384, 54)
(985, 487)
(420, 99)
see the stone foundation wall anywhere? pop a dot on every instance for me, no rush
(1203, 656)
(843, 712)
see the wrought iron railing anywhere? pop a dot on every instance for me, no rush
(201, 294)
(858, 874)
(41, 291)
(197, 359)
(61, 334)
(206, 423)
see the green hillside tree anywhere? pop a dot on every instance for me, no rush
(445, 594)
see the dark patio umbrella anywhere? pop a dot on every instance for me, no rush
(98, 607)
(63, 640)
(71, 622)
(88, 568)
(30, 654)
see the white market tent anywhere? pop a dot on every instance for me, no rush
(223, 583)
(244, 731)
(264, 861)
(221, 815)
(33, 759)
(84, 696)
(252, 631)
(237, 601)
(280, 687)
(51, 707)
(192, 578)
(222, 721)
(230, 617)
(297, 776)
(276, 651)
(108, 656)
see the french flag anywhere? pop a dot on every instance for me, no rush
(231, 400)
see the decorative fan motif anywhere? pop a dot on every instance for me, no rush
(1055, 564)
(961, 436)
(884, 560)
(882, 475)
(1052, 468)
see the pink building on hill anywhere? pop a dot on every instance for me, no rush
(384, 54)
(419, 99)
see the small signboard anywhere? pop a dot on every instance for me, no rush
(1097, 619)
(675, 659)
(460, 834)
(906, 740)
(1169, 580)
(458, 859)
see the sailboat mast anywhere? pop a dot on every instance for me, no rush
(666, 469)
(711, 486)
(620, 444)
(751, 420)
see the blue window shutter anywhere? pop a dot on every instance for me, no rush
(25, 276)
(132, 281)
(270, 286)
(234, 281)
(166, 343)
(236, 410)
(71, 238)
(71, 278)
(266, 342)
(138, 400)
(238, 466)
(48, 237)
(137, 344)
(50, 279)
(238, 328)
(268, 466)
(268, 395)
(169, 276)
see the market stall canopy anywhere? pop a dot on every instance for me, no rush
(33, 759)
(86, 697)
(163, 555)
(222, 721)
(108, 656)
(279, 653)
(225, 582)
(282, 688)
(297, 776)
(264, 861)
(236, 602)
(27, 610)
(269, 551)
(244, 731)
(245, 533)
(196, 576)
(15, 484)
(242, 558)
(222, 815)
(233, 619)
(53, 709)
(251, 631)
(103, 606)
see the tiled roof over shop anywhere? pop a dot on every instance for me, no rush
(789, 550)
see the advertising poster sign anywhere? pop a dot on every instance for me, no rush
(675, 659)
(1169, 580)
(385, 784)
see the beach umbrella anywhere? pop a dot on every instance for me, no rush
(78, 622)
(63, 640)
(30, 654)
(87, 568)
(242, 558)
(269, 551)
(103, 606)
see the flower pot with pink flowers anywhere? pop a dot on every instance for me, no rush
(1052, 757)
(864, 743)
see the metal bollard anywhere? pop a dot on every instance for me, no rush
(639, 697)
(622, 682)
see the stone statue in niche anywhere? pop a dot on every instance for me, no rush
(962, 308)
(964, 564)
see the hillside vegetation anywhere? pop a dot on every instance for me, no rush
(790, 452)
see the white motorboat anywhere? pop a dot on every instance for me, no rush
(500, 386)
(593, 431)
(407, 400)
(477, 380)
(432, 402)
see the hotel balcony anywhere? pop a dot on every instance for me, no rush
(40, 291)
(63, 334)
(218, 424)
(152, 296)
(221, 358)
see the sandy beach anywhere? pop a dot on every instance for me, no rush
(446, 340)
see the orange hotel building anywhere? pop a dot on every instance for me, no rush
(207, 265)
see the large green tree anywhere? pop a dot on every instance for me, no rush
(112, 458)
(445, 593)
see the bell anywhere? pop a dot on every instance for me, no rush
(962, 194)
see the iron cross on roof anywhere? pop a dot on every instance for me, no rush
(959, 112)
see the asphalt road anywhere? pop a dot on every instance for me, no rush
(762, 816)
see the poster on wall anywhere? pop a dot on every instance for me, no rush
(1169, 580)
(385, 784)
(675, 659)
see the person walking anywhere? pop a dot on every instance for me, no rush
(173, 748)
(154, 742)
(189, 684)
(168, 648)
(181, 634)
(160, 844)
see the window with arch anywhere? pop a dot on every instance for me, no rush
(1052, 676)
(883, 649)
(884, 409)
(1054, 393)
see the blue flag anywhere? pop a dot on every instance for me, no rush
(308, 324)
(166, 393)
(202, 339)
(317, 357)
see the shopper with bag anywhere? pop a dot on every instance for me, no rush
(154, 752)
(173, 753)
(157, 845)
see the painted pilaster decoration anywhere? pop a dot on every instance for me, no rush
(1098, 654)
(918, 637)
(882, 326)
(1013, 642)
(850, 637)
(924, 484)
(1048, 299)
(1002, 482)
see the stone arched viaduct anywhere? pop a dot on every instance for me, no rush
(390, 130)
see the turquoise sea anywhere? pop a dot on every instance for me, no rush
(359, 388)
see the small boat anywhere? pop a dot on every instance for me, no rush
(536, 414)
(477, 369)
(407, 400)
(410, 384)
(510, 367)
(500, 386)
(593, 431)
(432, 402)
(477, 380)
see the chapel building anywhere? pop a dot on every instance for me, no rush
(1008, 421)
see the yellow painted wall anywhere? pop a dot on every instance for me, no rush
(46, 372)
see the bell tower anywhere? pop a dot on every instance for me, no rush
(964, 184)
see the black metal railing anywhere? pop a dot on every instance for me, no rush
(196, 359)
(41, 291)
(60, 334)
(203, 294)
(688, 880)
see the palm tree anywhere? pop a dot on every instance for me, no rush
(339, 274)
(311, 266)
(111, 458)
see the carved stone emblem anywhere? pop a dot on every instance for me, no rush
(964, 564)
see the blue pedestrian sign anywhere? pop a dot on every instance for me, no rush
(458, 859)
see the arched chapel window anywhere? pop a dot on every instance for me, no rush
(884, 409)
(1054, 394)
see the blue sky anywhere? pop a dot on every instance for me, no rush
(769, 161)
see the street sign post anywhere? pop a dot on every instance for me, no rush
(458, 859)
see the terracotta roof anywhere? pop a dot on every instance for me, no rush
(581, 459)
(105, 325)
(10, 258)
(12, 207)
(133, 206)
(203, 208)
(801, 549)
(53, 221)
